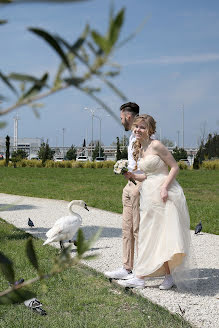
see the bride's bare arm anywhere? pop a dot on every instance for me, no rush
(167, 157)
(137, 177)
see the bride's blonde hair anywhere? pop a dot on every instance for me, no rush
(150, 129)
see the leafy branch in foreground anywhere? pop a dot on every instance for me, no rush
(92, 51)
(20, 293)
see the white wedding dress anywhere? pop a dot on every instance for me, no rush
(164, 232)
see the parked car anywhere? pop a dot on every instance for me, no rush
(58, 159)
(99, 159)
(82, 159)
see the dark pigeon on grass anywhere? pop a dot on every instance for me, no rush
(30, 223)
(198, 228)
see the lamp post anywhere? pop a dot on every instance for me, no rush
(92, 127)
(63, 143)
(92, 111)
(178, 138)
(182, 108)
(100, 119)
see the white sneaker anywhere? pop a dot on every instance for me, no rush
(132, 283)
(167, 283)
(119, 274)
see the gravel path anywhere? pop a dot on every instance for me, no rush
(201, 309)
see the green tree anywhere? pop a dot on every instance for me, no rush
(19, 154)
(7, 144)
(208, 150)
(196, 164)
(167, 142)
(71, 153)
(97, 151)
(179, 153)
(45, 152)
(124, 153)
(118, 151)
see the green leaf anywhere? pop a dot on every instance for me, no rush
(112, 73)
(6, 267)
(91, 90)
(6, 81)
(116, 90)
(36, 88)
(3, 125)
(53, 43)
(16, 296)
(3, 21)
(115, 27)
(24, 78)
(80, 242)
(102, 42)
(77, 45)
(133, 35)
(31, 254)
(74, 81)
(62, 67)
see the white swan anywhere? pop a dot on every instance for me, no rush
(66, 227)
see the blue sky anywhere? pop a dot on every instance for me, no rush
(174, 60)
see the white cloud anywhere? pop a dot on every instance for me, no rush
(168, 60)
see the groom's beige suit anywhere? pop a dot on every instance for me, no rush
(131, 213)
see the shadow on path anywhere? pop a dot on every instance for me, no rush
(14, 207)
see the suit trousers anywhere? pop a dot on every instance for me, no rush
(130, 222)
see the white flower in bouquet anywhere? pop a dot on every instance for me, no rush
(121, 167)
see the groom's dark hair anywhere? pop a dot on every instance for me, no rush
(130, 107)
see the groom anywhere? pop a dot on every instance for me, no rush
(130, 199)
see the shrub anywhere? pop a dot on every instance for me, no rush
(211, 165)
(2, 163)
(182, 165)
(50, 163)
(68, 164)
(80, 164)
(109, 164)
(90, 165)
(99, 165)
(60, 164)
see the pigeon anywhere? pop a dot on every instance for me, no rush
(30, 223)
(16, 283)
(198, 228)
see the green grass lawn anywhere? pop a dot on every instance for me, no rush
(101, 188)
(78, 297)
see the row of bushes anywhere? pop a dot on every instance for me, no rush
(208, 165)
(63, 164)
(211, 165)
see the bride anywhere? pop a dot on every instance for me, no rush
(164, 235)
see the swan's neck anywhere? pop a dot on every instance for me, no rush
(72, 212)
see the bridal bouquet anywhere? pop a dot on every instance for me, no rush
(121, 167)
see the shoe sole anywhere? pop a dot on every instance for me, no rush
(125, 278)
(163, 288)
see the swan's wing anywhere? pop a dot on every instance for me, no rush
(54, 231)
(66, 220)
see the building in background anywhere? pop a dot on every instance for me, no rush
(30, 145)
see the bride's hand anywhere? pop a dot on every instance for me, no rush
(164, 194)
(128, 175)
